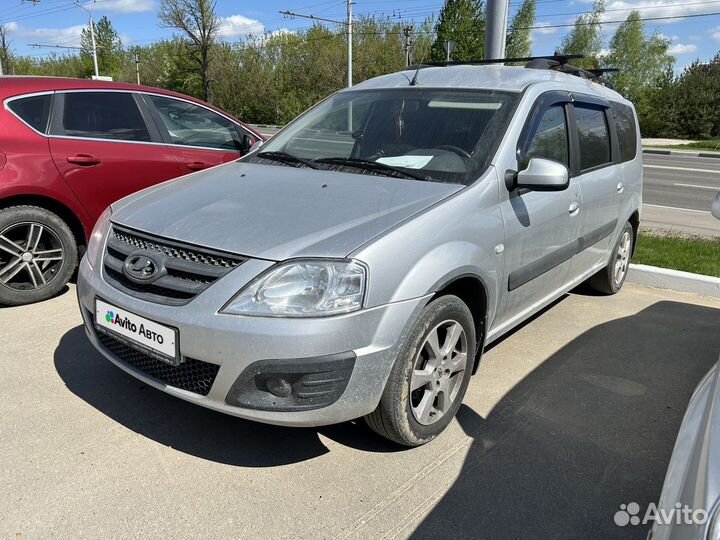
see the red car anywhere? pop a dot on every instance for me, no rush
(71, 147)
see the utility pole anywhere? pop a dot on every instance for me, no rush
(137, 66)
(92, 36)
(349, 39)
(495, 29)
(407, 31)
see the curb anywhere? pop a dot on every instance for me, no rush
(681, 153)
(663, 278)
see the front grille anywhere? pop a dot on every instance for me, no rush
(188, 270)
(192, 375)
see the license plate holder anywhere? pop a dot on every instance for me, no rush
(157, 340)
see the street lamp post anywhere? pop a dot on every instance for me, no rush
(92, 36)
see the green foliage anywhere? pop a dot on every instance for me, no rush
(584, 38)
(274, 77)
(643, 63)
(519, 39)
(463, 22)
(110, 53)
(198, 26)
(642, 60)
(697, 95)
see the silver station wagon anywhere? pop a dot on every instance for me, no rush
(357, 264)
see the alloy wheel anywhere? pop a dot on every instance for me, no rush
(31, 255)
(438, 371)
(622, 259)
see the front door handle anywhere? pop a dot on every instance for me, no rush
(83, 159)
(197, 165)
(574, 208)
(620, 187)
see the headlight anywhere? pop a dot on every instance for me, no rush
(303, 288)
(96, 238)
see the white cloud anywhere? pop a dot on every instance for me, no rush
(122, 6)
(239, 25)
(680, 48)
(69, 36)
(715, 33)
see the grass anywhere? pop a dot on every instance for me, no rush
(711, 145)
(689, 254)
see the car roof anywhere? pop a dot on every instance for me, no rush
(491, 77)
(15, 85)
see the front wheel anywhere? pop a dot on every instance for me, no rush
(38, 255)
(610, 279)
(430, 376)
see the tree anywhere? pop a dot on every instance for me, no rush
(5, 51)
(641, 60)
(519, 39)
(110, 54)
(584, 38)
(697, 95)
(196, 19)
(462, 22)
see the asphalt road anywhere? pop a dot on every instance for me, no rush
(680, 181)
(569, 417)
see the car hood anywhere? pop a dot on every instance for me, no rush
(277, 212)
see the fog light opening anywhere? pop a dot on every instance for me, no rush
(278, 386)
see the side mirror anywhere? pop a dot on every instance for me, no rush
(257, 144)
(543, 175)
(716, 206)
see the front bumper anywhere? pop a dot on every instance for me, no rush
(234, 343)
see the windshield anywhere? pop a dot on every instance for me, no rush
(441, 135)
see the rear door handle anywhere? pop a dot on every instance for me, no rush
(83, 159)
(574, 208)
(197, 165)
(620, 187)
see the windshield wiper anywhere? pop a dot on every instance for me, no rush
(372, 166)
(284, 157)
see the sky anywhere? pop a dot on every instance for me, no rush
(59, 22)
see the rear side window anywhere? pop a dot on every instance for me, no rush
(103, 115)
(550, 140)
(34, 110)
(625, 126)
(593, 136)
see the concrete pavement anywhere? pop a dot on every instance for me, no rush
(570, 416)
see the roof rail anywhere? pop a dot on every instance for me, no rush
(555, 62)
(562, 58)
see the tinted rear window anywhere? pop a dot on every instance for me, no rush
(625, 127)
(103, 115)
(593, 134)
(34, 110)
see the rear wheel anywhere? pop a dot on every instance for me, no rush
(430, 376)
(38, 254)
(610, 279)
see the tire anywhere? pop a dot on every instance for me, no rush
(610, 279)
(406, 417)
(38, 255)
